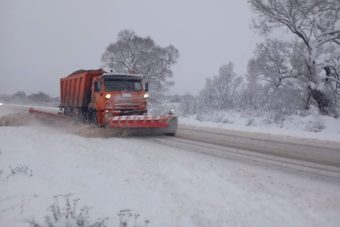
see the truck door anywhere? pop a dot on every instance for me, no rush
(98, 95)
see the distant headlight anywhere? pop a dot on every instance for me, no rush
(0, 103)
(146, 95)
(108, 96)
(171, 111)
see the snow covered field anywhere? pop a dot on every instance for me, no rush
(168, 186)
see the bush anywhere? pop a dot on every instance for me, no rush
(20, 169)
(63, 212)
(316, 124)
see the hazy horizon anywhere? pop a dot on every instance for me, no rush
(43, 41)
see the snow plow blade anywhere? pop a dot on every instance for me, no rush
(153, 124)
(42, 112)
(126, 125)
(139, 121)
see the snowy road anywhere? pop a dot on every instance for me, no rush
(309, 153)
(169, 181)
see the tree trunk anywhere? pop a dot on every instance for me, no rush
(324, 103)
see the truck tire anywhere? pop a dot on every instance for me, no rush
(92, 118)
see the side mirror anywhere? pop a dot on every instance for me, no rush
(97, 86)
(146, 87)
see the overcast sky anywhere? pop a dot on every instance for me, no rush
(43, 40)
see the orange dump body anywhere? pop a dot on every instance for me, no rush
(75, 89)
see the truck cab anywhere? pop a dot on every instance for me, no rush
(118, 95)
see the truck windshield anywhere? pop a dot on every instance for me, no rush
(123, 85)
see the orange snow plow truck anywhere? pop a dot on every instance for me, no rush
(111, 100)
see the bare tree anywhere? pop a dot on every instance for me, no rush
(316, 24)
(274, 67)
(221, 90)
(271, 62)
(270, 86)
(188, 104)
(134, 54)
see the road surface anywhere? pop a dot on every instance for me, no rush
(317, 156)
(310, 153)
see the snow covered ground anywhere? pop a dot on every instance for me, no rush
(312, 125)
(168, 186)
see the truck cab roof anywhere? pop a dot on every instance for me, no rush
(121, 76)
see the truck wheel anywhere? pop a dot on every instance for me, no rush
(92, 117)
(170, 134)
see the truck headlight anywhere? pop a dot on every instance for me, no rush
(146, 95)
(108, 96)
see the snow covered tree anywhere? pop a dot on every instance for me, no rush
(39, 97)
(134, 54)
(221, 90)
(272, 78)
(254, 95)
(188, 104)
(316, 24)
(271, 62)
(18, 97)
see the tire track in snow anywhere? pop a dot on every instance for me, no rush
(257, 158)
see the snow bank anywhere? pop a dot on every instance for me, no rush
(310, 126)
